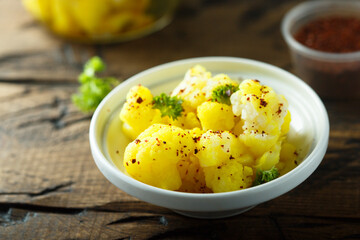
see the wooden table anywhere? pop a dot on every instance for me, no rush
(50, 187)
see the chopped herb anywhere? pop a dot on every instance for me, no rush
(93, 89)
(168, 106)
(222, 93)
(266, 176)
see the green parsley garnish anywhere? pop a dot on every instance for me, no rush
(168, 106)
(266, 176)
(93, 89)
(222, 93)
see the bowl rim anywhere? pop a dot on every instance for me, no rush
(311, 8)
(300, 173)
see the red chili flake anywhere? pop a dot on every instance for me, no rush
(263, 102)
(137, 141)
(117, 151)
(164, 142)
(139, 100)
(133, 160)
(219, 167)
(296, 153)
(127, 164)
(218, 178)
(255, 80)
(334, 34)
(222, 145)
(231, 157)
(196, 151)
(182, 90)
(248, 98)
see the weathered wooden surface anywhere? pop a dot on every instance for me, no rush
(50, 187)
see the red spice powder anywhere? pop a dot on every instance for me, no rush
(333, 34)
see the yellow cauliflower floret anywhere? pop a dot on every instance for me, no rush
(215, 148)
(216, 116)
(185, 121)
(264, 114)
(89, 14)
(239, 123)
(288, 158)
(41, 9)
(286, 125)
(230, 176)
(137, 113)
(192, 176)
(152, 158)
(269, 158)
(191, 88)
(260, 107)
(258, 143)
(216, 81)
(198, 85)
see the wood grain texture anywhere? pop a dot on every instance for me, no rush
(50, 187)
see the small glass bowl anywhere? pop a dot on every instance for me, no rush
(330, 74)
(105, 21)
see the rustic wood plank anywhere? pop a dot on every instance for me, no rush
(154, 223)
(46, 173)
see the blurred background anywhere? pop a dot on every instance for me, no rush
(52, 39)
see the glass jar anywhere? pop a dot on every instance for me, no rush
(102, 21)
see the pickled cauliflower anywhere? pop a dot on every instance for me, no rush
(211, 134)
(91, 18)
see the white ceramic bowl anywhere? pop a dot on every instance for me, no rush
(309, 129)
